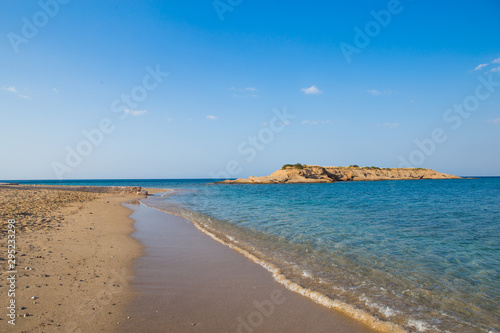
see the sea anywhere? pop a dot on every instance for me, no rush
(421, 254)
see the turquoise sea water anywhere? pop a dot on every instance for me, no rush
(422, 254)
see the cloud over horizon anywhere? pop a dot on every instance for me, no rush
(12, 89)
(245, 92)
(135, 112)
(315, 122)
(494, 61)
(374, 92)
(389, 125)
(312, 90)
(478, 67)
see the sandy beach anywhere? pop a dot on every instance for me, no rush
(80, 270)
(73, 260)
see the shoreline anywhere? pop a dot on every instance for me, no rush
(360, 316)
(188, 281)
(81, 268)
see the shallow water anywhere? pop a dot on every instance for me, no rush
(422, 254)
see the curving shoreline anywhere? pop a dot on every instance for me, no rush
(337, 306)
(218, 286)
(79, 253)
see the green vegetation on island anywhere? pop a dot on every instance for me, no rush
(300, 166)
(293, 166)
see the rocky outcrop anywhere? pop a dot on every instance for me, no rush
(318, 174)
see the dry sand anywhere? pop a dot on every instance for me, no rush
(73, 256)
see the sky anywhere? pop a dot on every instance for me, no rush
(229, 88)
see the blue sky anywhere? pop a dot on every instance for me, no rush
(67, 66)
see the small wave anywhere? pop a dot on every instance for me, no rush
(385, 310)
(307, 274)
(230, 238)
(419, 325)
(319, 298)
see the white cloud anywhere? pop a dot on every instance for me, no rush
(245, 92)
(312, 90)
(496, 69)
(315, 122)
(374, 92)
(390, 125)
(494, 61)
(135, 112)
(480, 66)
(13, 90)
(211, 117)
(55, 90)
(495, 121)
(10, 89)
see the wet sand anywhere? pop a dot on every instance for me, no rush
(188, 282)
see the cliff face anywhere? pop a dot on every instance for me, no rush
(318, 174)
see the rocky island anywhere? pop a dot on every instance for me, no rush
(298, 173)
